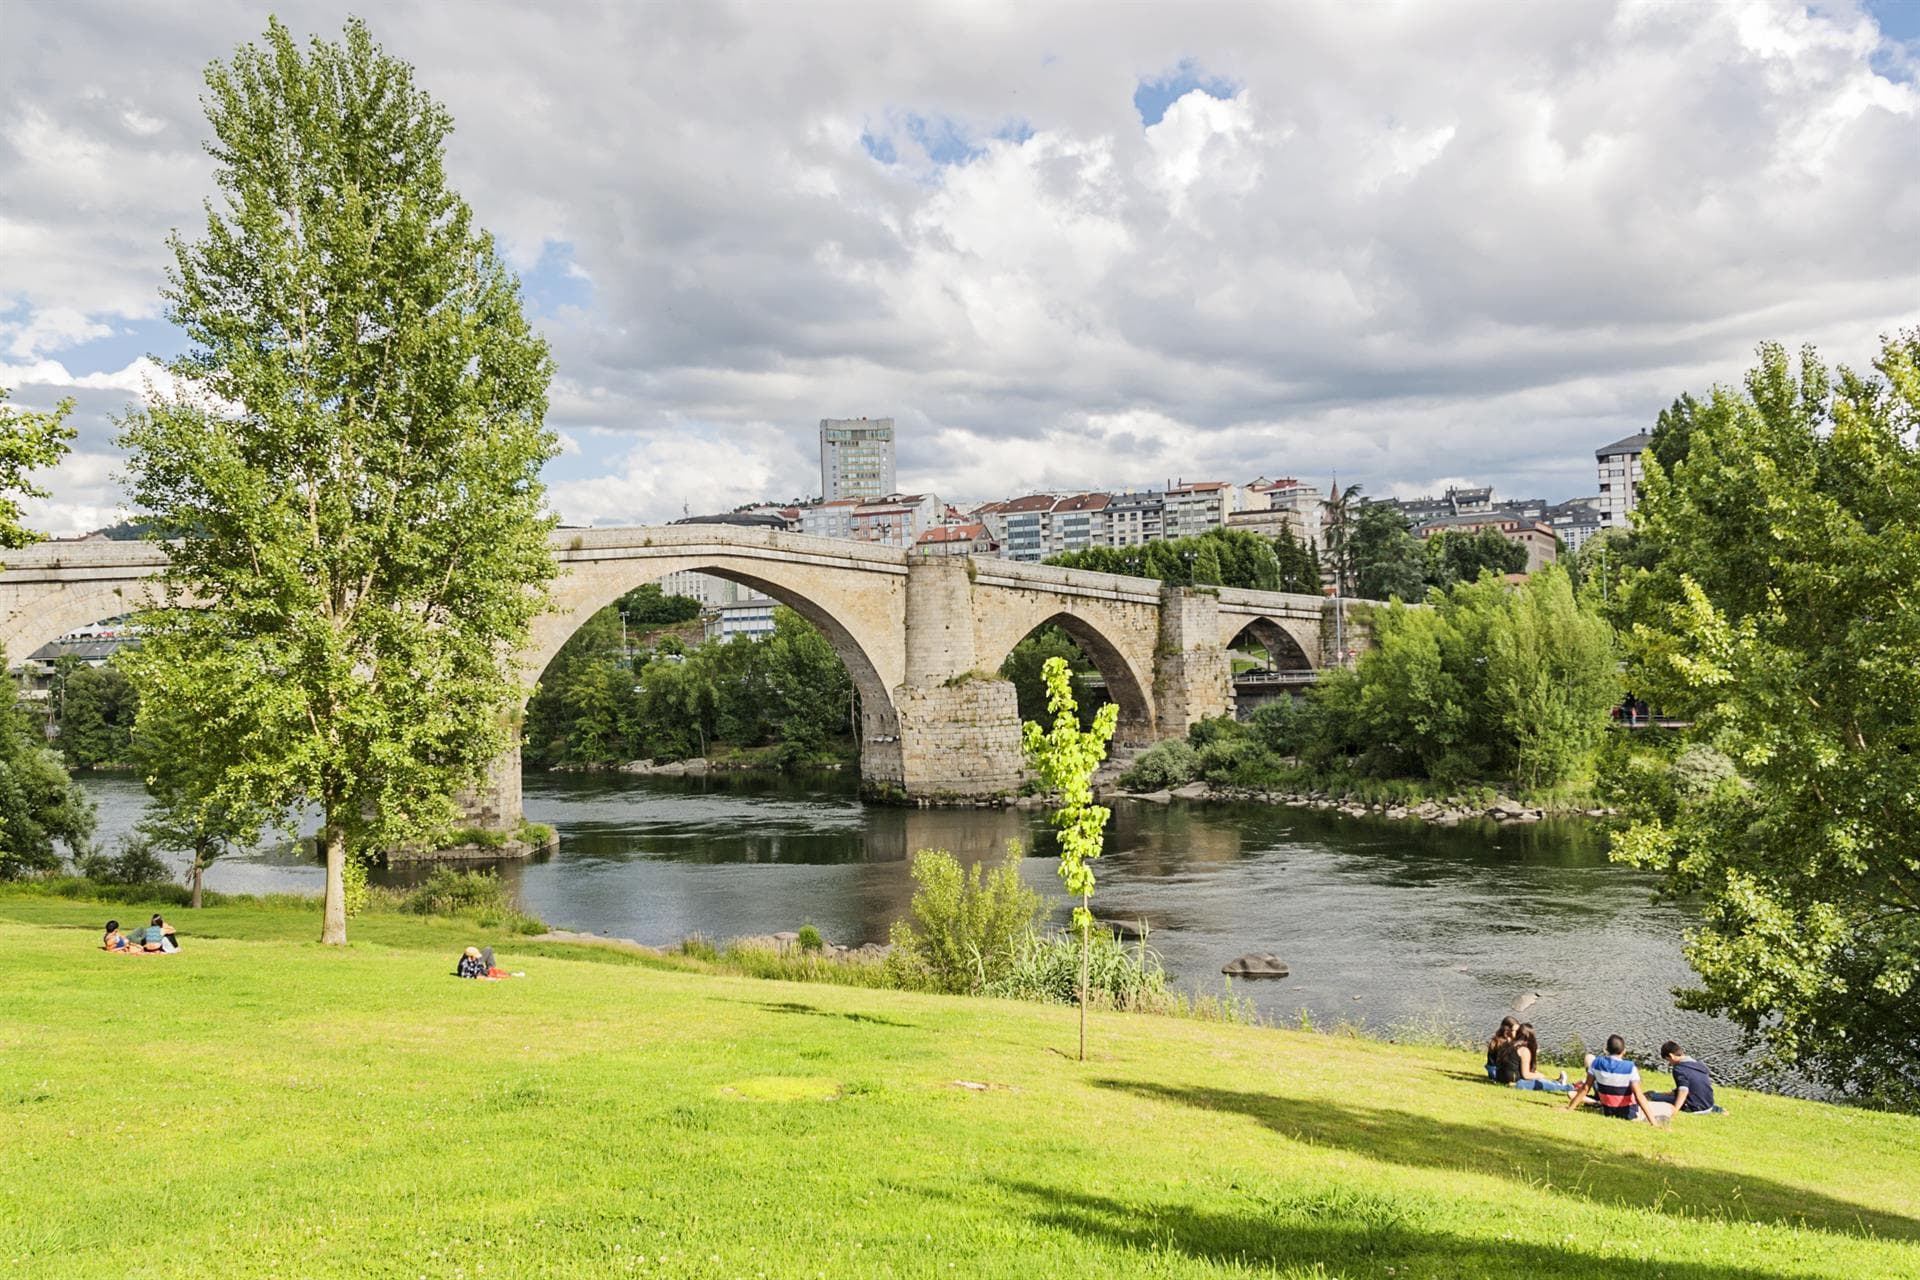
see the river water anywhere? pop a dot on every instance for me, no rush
(1383, 924)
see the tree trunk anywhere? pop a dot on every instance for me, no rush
(333, 931)
(198, 868)
(1086, 948)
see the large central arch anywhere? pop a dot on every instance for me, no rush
(854, 597)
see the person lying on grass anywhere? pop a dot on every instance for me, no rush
(114, 940)
(471, 965)
(1614, 1084)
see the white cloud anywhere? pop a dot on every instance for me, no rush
(1412, 242)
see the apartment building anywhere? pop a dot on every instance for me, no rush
(1078, 522)
(1619, 465)
(968, 539)
(1536, 536)
(1024, 523)
(856, 458)
(1134, 519)
(1192, 509)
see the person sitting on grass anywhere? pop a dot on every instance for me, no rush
(471, 965)
(114, 940)
(1497, 1047)
(159, 935)
(1526, 1048)
(1692, 1086)
(1613, 1082)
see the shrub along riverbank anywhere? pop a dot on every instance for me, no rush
(356, 1111)
(1492, 698)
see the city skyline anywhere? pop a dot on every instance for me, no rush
(1413, 247)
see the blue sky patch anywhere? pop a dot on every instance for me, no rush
(1152, 98)
(552, 284)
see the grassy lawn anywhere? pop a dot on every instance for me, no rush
(259, 1105)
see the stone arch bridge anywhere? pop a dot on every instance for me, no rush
(923, 637)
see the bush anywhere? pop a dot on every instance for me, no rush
(136, 863)
(1223, 760)
(1047, 968)
(810, 939)
(79, 888)
(1163, 765)
(1284, 726)
(477, 895)
(970, 926)
(1214, 729)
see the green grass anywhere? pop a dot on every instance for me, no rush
(261, 1106)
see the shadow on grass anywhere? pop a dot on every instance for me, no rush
(1536, 1160)
(794, 1006)
(1347, 1232)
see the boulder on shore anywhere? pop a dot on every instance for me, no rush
(1256, 964)
(1192, 791)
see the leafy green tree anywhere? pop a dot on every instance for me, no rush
(1298, 564)
(190, 811)
(1066, 757)
(1387, 560)
(809, 693)
(28, 442)
(647, 606)
(1776, 613)
(1456, 555)
(1672, 433)
(95, 708)
(39, 803)
(355, 449)
(1218, 557)
(1026, 665)
(1488, 682)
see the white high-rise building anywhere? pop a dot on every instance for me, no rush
(856, 458)
(1620, 478)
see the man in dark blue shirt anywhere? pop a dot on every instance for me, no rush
(1692, 1087)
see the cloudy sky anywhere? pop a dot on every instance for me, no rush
(1069, 245)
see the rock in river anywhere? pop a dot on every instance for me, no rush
(1524, 1001)
(1260, 964)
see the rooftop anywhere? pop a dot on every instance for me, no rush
(1635, 443)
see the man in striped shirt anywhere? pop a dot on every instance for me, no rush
(1614, 1084)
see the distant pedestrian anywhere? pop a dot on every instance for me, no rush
(1613, 1083)
(1692, 1086)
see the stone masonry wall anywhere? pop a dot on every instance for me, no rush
(1192, 675)
(960, 741)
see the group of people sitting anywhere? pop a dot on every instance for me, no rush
(1612, 1082)
(158, 938)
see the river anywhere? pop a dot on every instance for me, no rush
(1383, 924)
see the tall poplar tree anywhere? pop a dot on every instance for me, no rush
(351, 462)
(28, 442)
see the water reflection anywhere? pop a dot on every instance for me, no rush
(1383, 924)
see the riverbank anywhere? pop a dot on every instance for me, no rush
(1445, 810)
(598, 1117)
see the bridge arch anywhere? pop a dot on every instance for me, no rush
(856, 609)
(1282, 645)
(1129, 687)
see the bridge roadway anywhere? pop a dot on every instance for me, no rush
(922, 637)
